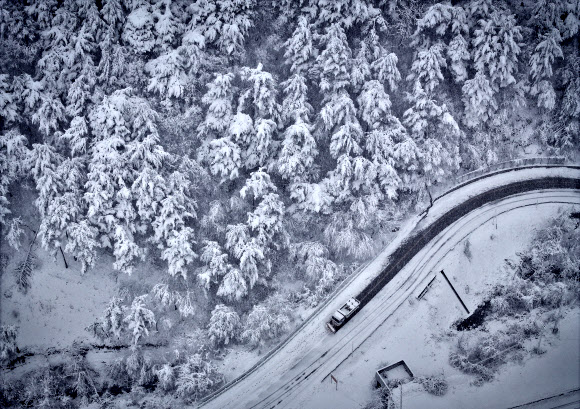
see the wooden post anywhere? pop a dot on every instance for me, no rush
(332, 378)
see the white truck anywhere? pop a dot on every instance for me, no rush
(341, 316)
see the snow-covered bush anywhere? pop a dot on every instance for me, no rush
(435, 385)
(196, 377)
(266, 321)
(7, 342)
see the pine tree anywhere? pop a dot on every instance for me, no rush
(496, 48)
(7, 342)
(224, 325)
(299, 149)
(179, 252)
(223, 22)
(82, 243)
(266, 221)
(140, 319)
(112, 320)
(479, 100)
(125, 250)
(541, 62)
(168, 74)
(44, 161)
(112, 14)
(138, 30)
(264, 322)
(295, 105)
(334, 61)
(233, 286)
(167, 26)
(311, 197)
(13, 158)
(225, 158)
(258, 185)
(216, 264)
(299, 50)
(8, 107)
(374, 104)
(458, 54)
(426, 68)
(361, 69)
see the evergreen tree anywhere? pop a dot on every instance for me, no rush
(223, 22)
(299, 50)
(82, 243)
(179, 252)
(138, 30)
(233, 286)
(112, 320)
(224, 325)
(541, 62)
(496, 48)
(13, 155)
(216, 264)
(140, 319)
(479, 100)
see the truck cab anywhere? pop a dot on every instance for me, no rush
(341, 315)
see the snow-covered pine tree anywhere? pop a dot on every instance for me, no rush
(299, 50)
(233, 286)
(541, 62)
(223, 22)
(496, 48)
(112, 320)
(374, 104)
(266, 321)
(179, 252)
(82, 243)
(140, 320)
(426, 67)
(216, 264)
(167, 26)
(334, 61)
(257, 185)
(360, 69)
(479, 100)
(258, 100)
(7, 342)
(266, 221)
(299, 149)
(8, 107)
(13, 159)
(138, 31)
(224, 325)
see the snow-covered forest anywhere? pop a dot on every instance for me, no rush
(239, 158)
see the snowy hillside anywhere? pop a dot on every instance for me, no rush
(184, 182)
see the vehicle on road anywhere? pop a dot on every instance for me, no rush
(343, 314)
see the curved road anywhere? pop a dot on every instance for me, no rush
(311, 347)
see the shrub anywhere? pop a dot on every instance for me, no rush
(196, 378)
(7, 342)
(435, 385)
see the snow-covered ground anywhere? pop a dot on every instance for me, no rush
(414, 332)
(294, 376)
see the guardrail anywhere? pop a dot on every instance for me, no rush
(513, 164)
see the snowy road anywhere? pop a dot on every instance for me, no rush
(310, 354)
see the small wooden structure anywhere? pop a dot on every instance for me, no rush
(398, 370)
